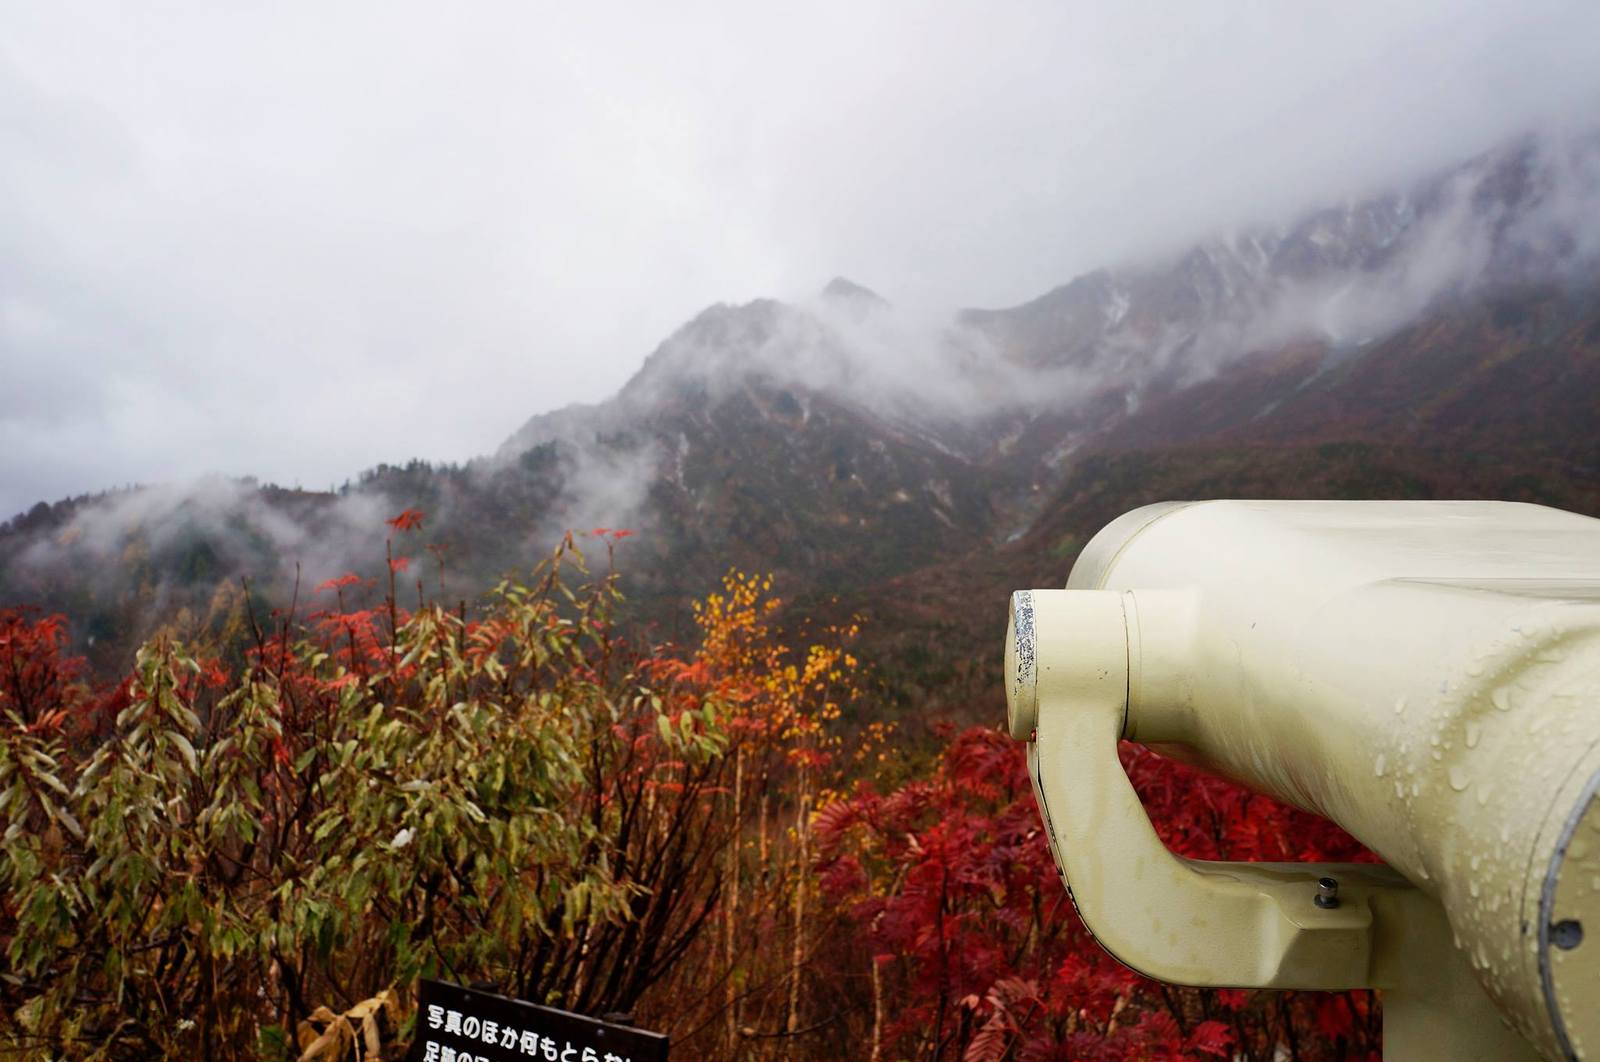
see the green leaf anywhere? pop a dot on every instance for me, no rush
(187, 750)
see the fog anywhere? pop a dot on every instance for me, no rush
(171, 545)
(1526, 212)
(296, 241)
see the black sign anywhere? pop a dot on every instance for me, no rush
(456, 1024)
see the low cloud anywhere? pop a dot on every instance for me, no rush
(150, 546)
(354, 245)
(1473, 234)
(1528, 212)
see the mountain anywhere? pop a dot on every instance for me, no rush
(1437, 340)
(1486, 397)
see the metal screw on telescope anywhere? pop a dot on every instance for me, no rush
(1567, 934)
(1327, 896)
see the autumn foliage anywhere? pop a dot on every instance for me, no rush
(255, 849)
(975, 951)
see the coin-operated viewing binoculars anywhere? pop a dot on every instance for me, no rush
(1425, 674)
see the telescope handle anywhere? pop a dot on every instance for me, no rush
(1254, 925)
(1206, 923)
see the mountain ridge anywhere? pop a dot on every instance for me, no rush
(849, 447)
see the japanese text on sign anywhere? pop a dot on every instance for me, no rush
(456, 1024)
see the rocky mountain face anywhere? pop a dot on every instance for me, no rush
(1348, 273)
(1441, 340)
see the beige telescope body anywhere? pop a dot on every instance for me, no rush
(1424, 674)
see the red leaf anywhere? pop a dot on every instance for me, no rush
(1233, 999)
(1334, 1020)
(407, 520)
(338, 582)
(1211, 1038)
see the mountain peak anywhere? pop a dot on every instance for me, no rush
(846, 290)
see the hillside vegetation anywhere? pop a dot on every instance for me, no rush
(254, 849)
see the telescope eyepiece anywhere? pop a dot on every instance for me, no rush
(1062, 646)
(1022, 691)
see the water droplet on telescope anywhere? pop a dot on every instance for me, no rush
(1377, 767)
(1399, 706)
(1474, 732)
(1501, 697)
(1459, 779)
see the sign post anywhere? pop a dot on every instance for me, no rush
(456, 1024)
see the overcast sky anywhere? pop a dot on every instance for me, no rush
(297, 240)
